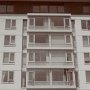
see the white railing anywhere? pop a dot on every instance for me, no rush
(62, 83)
(35, 83)
(38, 63)
(54, 83)
(48, 44)
(51, 63)
(48, 28)
(38, 44)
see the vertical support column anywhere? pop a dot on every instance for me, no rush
(49, 23)
(50, 61)
(50, 77)
(50, 40)
(27, 60)
(27, 79)
(34, 38)
(73, 77)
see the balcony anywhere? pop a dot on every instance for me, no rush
(49, 24)
(51, 79)
(49, 41)
(50, 59)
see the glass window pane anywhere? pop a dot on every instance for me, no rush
(88, 24)
(7, 40)
(67, 24)
(25, 24)
(37, 56)
(8, 24)
(5, 76)
(68, 39)
(53, 9)
(10, 8)
(69, 56)
(31, 38)
(36, 9)
(10, 76)
(87, 76)
(11, 57)
(40, 76)
(6, 58)
(12, 39)
(57, 75)
(83, 24)
(31, 58)
(86, 9)
(60, 9)
(13, 23)
(85, 41)
(43, 8)
(2, 8)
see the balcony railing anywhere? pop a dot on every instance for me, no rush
(54, 83)
(38, 83)
(50, 63)
(62, 83)
(48, 45)
(49, 28)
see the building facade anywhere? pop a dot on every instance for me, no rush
(44, 45)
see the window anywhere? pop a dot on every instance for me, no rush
(87, 58)
(31, 23)
(85, 24)
(24, 59)
(86, 41)
(10, 24)
(86, 9)
(31, 56)
(24, 42)
(24, 24)
(10, 8)
(36, 9)
(8, 57)
(67, 23)
(40, 76)
(61, 9)
(7, 76)
(68, 39)
(40, 56)
(44, 9)
(9, 40)
(2, 8)
(6, 8)
(57, 75)
(88, 76)
(52, 9)
(69, 56)
(31, 38)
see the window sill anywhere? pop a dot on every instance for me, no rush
(9, 63)
(10, 28)
(10, 45)
(7, 82)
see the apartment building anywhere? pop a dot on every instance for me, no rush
(44, 45)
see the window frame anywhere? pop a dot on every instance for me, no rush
(10, 81)
(10, 40)
(11, 27)
(9, 61)
(87, 61)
